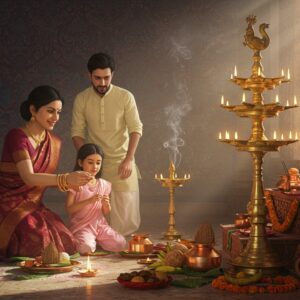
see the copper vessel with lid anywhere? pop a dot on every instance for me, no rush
(140, 243)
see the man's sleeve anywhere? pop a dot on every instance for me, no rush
(78, 120)
(132, 117)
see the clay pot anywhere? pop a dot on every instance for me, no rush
(203, 257)
(140, 243)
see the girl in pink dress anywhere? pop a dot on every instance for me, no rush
(89, 206)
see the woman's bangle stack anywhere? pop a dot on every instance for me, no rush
(62, 182)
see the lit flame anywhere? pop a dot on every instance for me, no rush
(288, 74)
(274, 135)
(295, 100)
(244, 98)
(277, 99)
(235, 71)
(282, 72)
(88, 264)
(220, 135)
(222, 100)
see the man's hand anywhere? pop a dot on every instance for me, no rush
(125, 168)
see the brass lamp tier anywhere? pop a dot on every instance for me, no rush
(259, 82)
(249, 110)
(171, 183)
(257, 255)
(261, 146)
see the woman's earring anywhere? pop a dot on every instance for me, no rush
(32, 119)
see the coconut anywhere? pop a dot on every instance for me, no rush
(174, 258)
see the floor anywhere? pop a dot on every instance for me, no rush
(104, 285)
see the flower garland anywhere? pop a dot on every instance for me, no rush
(278, 284)
(277, 226)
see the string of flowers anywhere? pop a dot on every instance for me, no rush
(277, 226)
(278, 284)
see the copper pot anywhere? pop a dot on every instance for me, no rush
(203, 257)
(140, 243)
(242, 220)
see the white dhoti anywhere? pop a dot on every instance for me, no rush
(125, 212)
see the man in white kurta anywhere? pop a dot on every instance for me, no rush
(107, 115)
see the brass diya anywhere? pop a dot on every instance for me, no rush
(140, 243)
(258, 253)
(171, 182)
(203, 257)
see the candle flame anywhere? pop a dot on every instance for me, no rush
(235, 71)
(296, 136)
(277, 99)
(88, 264)
(222, 100)
(148, 259)
(282, 136)
(290, 135)
(236, 135)
(288, 74)
(227, 103)
(258, 72)
(161, 177)
(287, 103)
(282, 72)
(295, 100)
(244, 98)
(231, 76)
(274, 135)
(220, 135)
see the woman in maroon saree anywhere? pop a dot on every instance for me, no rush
(29, 159)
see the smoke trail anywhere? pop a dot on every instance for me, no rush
(175, 112)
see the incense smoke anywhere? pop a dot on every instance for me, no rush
(175, 112)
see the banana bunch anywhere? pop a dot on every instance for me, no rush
(161, 265)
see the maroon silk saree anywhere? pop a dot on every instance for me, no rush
(26, 225)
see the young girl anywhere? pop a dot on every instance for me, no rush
(88, 207)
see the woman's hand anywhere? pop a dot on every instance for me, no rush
(79, 178)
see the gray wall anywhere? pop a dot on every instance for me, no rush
(175, 56)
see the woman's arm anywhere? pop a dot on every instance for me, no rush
(27, 174)
(72, 206)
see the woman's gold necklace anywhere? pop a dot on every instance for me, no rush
(37, 140)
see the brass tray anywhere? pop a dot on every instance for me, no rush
(128, 254)
(52, 269)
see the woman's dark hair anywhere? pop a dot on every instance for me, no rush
(100, 61)
(38, 97)
(86, 150)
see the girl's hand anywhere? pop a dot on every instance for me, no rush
(106, 208)
(79, 178)
(96, 198)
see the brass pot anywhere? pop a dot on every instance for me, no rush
(140, 243)
(203, 257)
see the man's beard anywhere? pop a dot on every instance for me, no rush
(101, 90)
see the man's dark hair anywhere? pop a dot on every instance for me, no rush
(100, 61)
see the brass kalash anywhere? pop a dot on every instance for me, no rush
(171, 183)
(257, 254)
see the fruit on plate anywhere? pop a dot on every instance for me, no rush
(137, 279)
(64, 258)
